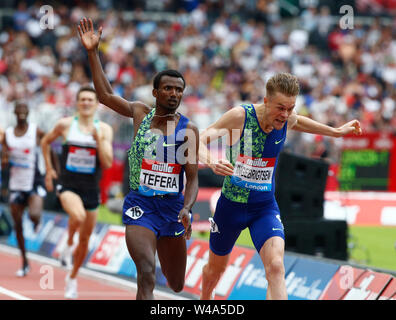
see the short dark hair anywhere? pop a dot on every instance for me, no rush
(170, 73)
(20, 103)
(86, 88)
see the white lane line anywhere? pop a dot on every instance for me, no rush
(92, 274)
(13, 294)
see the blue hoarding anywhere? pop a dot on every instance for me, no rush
(308, 278)
(252, 284)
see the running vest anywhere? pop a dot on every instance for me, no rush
(154, 168)
(22, 158)
(80, 167)
(254, 158)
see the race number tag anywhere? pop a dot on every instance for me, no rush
(157, 178)
(22, 158)
(253, 173)
(81, 160)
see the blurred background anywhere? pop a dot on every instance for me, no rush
(227, 49)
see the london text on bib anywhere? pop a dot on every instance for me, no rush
(253, 173)
(81, 160)
(157, 178)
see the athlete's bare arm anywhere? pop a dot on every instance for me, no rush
(191, 170)
(305, 124)
(4, 151)
(60, 130)
(90, 40)
(229, 125)
(104, 140)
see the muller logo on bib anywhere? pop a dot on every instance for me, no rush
(159, 177)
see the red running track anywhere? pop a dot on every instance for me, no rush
(46, 281)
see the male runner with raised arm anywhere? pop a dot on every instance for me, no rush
(164, 148)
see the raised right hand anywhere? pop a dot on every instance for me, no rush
(89, 39)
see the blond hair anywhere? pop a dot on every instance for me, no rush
(284, 83)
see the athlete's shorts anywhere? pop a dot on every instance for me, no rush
(230, 218)
(22, 197)
(158, 213)
(90, 198)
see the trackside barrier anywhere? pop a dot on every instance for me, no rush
(307, 278)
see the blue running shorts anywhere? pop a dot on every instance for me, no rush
(230, 218)
(158, 213)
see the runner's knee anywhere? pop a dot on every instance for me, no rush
(176, 284)
(274, 269)
(78, 218)
(35, 216)
(213, 271)
(146, 279)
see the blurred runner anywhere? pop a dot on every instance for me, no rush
(86, 149)
(1, 175)
(165, 147)
(256, 134)
(26, 182)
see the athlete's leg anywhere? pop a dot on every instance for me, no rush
(271, 254)
(35, 205)
(85, 232)
(74, 207)
(228, 222)
(172, 253)
(211, 273)
(17, 213)
(142, 244)
(267, 232)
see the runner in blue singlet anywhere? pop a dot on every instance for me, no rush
(256, 134)
(165, 147)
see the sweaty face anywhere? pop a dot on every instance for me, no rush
(279, 109)
(87, 103)
(169, 93)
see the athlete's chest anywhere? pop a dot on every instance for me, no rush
(258, 144)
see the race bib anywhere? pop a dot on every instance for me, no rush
(253, 173)
(22, 158)
(81, 160)
(158, 178)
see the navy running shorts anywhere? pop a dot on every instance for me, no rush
(158, 213)
(230, 218)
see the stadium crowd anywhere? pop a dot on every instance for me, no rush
(226, 51)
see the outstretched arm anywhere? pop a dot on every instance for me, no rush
(191, 170)
(90, 41)
(305, 124)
